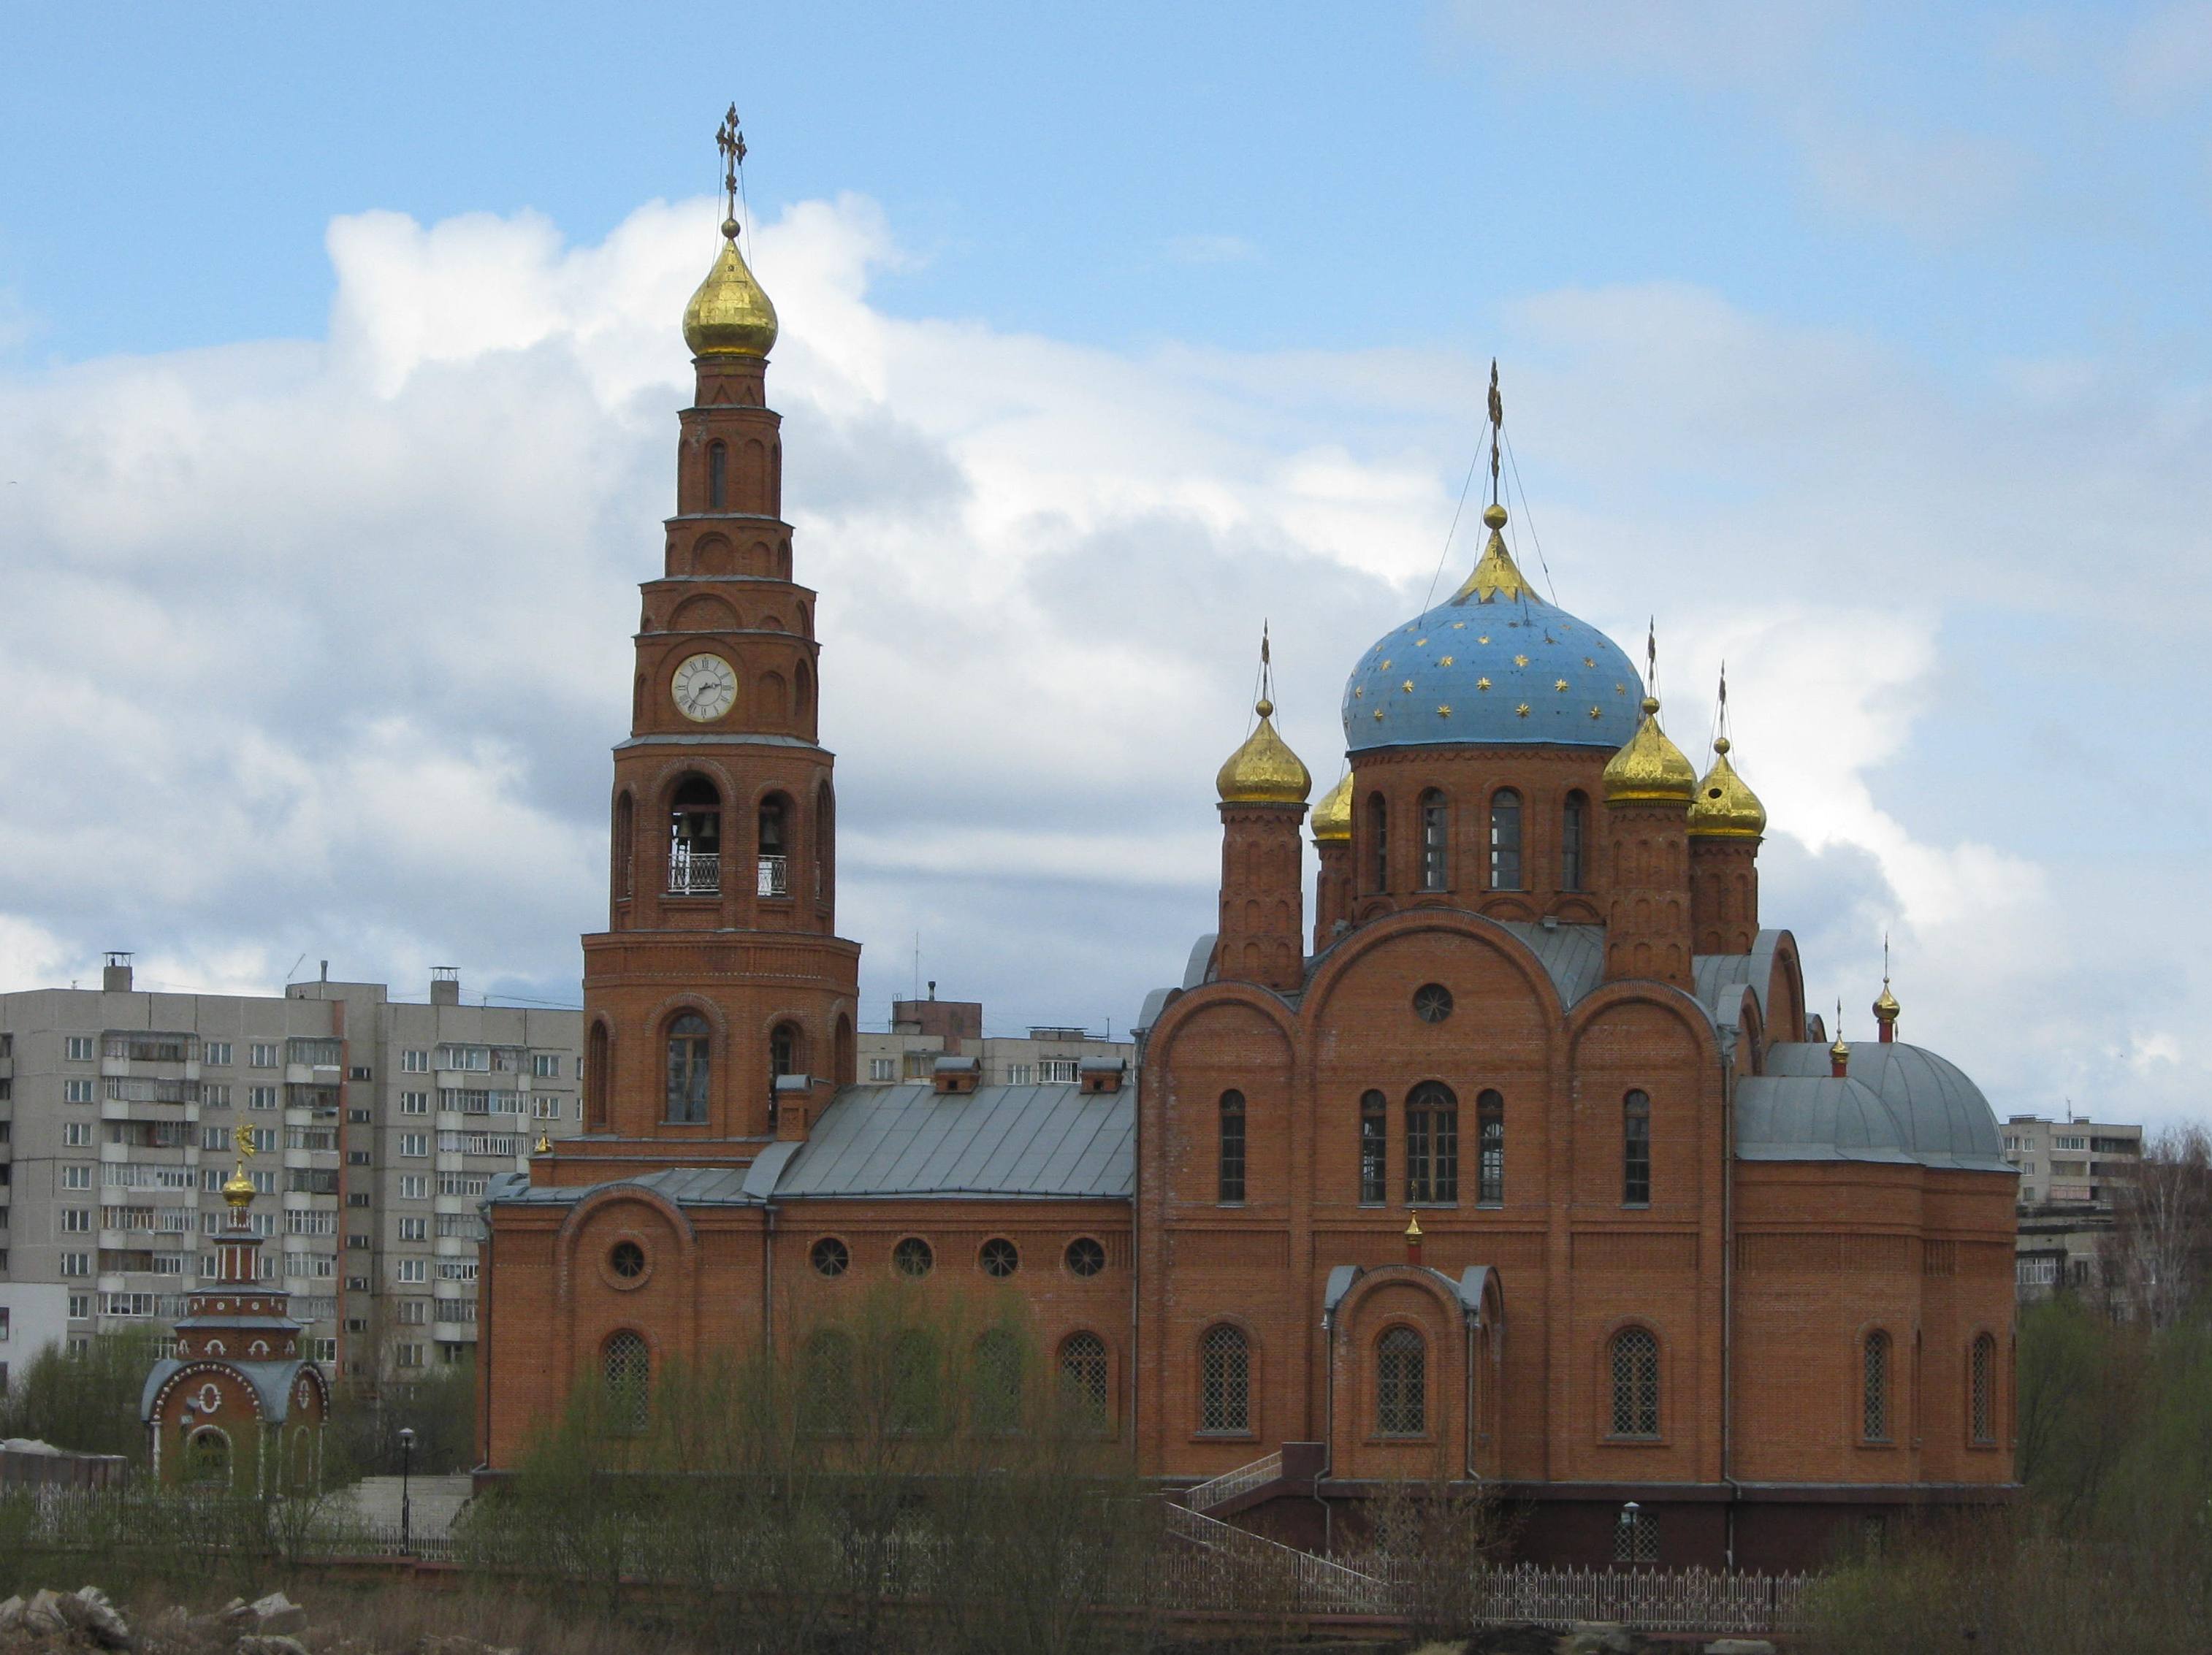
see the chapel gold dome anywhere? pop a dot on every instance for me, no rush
(1650, 768)
(1264, 771)
(1725, 808)
(730, 315)
(1332, 817)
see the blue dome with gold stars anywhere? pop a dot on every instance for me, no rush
(1493, 662)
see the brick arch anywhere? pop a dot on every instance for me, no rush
(1593, 1008)
(1785, 992)
(670, 1321)
(1356, 948)
(704, 612)
(712, 553)
(655, 1030)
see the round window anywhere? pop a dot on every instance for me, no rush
(1432, 1003)
(1000, 1258)
(627, 1260)
(913, 1257)
(830, 1256)
(1085, 1257)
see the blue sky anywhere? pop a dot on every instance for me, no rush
(1865, 345)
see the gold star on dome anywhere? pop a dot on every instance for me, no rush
(1459, 626)
(1443, 660)
(1522, 711)
(1378, 715)
(1484, 639)
(1358, 692)
(1386, 666)
(1595, 714)
(1444, 712)
(1482, 683)
(1560, 684)
(1408, 686)
(1619, 689)
(1520, 660)
(1421, 642)
(1587, 662)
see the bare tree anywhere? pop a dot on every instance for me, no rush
(2153, 1261)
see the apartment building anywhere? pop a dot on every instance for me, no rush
(376, 1122)
(923, 1031)
(2069, 1171)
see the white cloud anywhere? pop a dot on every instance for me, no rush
(318, 650)
(2167, 58)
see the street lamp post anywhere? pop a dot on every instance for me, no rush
(1626, 1549)
(406, 1465)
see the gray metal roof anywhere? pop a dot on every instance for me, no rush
(1945, 1120)
(1721, 978)
(1808, 1117)
(687, 1186)
(1573, 956)
(998, 1140)
(272, 1382)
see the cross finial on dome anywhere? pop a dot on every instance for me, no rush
(1886, 1007)
(730, 139)
(1496, 429)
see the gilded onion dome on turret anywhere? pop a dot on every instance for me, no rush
(730, 315)
(1264, 771)
(1650, 768)
(1725, 808)
(1332, 817)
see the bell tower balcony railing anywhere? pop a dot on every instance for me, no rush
(774, 876)
(694, 873)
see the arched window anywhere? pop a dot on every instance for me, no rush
(1374, 1148)
(825, 844)
(1224, 1380)
(1378, 839)
(1505, 841)
(1432, 1143)
(695, 840)
(1634, 1383)
(998, 1383)
(1982, 1389)
(1490, 1124)
(598, 1054)
(625, 854)
(1083, 1377)
(626, 1366)
(689, 1043)
(1574, 829)
(209, 1460)
(775, 857)
(1231, 1159)
(783, 1057)
(1636, 1150)
(916, 1383)
(1874, 1398)
(1401, 1383)
(825, 1398)
(718, 477)
(1435, 842)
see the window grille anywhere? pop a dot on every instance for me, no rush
(913, 1257)
(1490, 1122)
(627, 1367)
(1374, 1148)
(1401, 1394)
(1082, 1372)
(1634, 1383)
(1224, 1381)
(1875, 1409)
(1432, 1143)
(830, 1256)
(1505, 841)
(825, 1401)
(1436, 858)
(1572, 827)
(1085, 1257)
(1636, 1150)
(1982, 1379)
(1000, 1258)
(1231, 1182)
(1636, 1537)
(1432, 1003)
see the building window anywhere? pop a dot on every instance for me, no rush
(76, 1092)
(410, 1144)
(1875, 1397)
(718, 477)
(1432, 1003)
(1085, 1257)
(77, 1135)
(545, 1065)
(80, 1048)
(1490, 1123)
(1224, 1380)
(1374, 1148)
(76, 1264)
(414, 1186)
(626, 1366)
(1059, 1071)
(830, 1256)
(1082, 1376)
(413, 1062)
(627, 1260)
(1432, 1143)
(1378, 839)
(1574, 828)
(999, 1258)
(1435, 842)
(1981, 1389)
(1401, 1389)
(688, 1067)
(1634, 1383)
(774, 878)
(215, 1053)
(913, 1257)
(262, 1054)
(1636, 1150)
(1231, 1181)
(1636, 1537)
(1505, 841)
(414, 1103)
(412, 1229)
(413, 1270)
(883, 1069)
(695, 840)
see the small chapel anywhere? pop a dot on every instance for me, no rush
(1524, 1159)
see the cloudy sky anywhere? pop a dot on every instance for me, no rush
(1864, 347)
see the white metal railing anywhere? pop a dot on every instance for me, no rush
(1652, 1600)
(1321, 1583)
(694, 873)
(774, 876)
(1220, 1490)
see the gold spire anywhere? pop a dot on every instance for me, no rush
(1840, 1053)
(1332, 817)
(1413, 1227)
(544, 1144)
(1886, 1008)
(1264, 771)
(1650, 769)
(1495, 571)
(238, 1191)
(1724, 807)
(730, 315)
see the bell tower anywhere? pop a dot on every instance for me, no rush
(720, 1001)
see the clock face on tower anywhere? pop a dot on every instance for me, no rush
(704, 688)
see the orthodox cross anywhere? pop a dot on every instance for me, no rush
(1497, 426)
(730, 139)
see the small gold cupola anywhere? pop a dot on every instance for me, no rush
(1725, 808)
(730, 315)
(1332, 817)
(1651, 768)
(1264, 771)
(1886, 1007)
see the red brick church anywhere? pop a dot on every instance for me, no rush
(1528, 1161)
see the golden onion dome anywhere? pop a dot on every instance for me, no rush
(1332, 817)
(1886, 1007)
(730, 315)
(238, 1189)
(1724, 807)
(1650, 769)
(1264, 771)
(1496, 574)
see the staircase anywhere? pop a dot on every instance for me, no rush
(1292, 1468)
